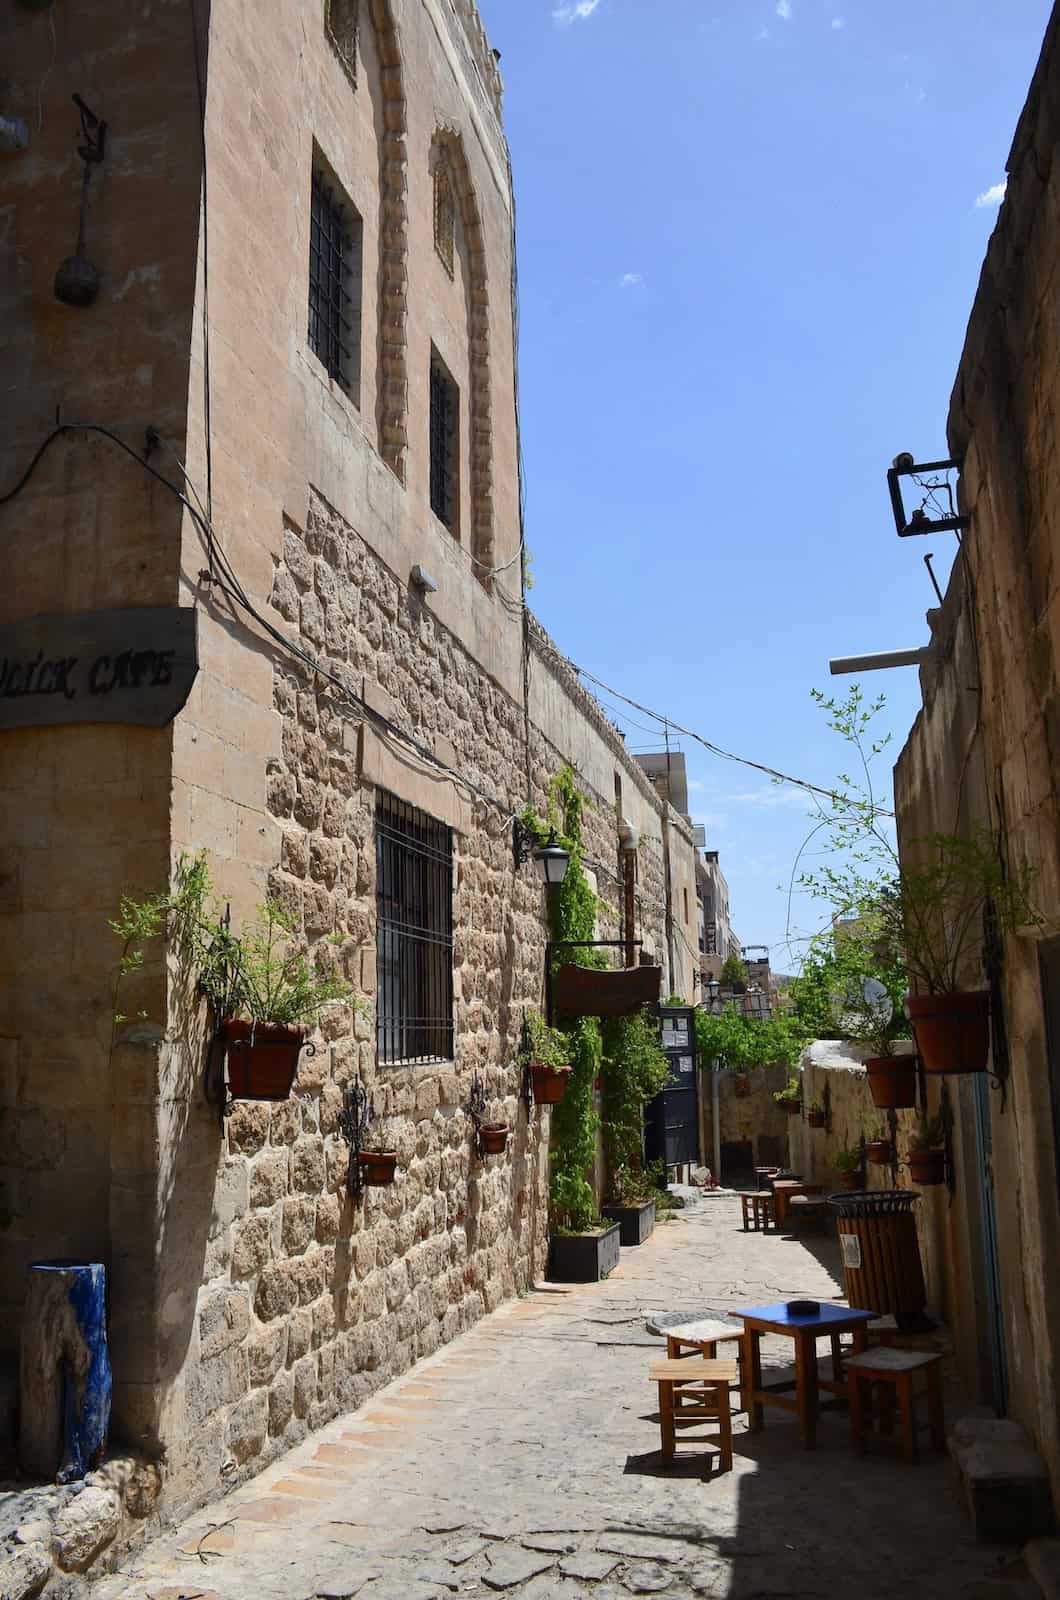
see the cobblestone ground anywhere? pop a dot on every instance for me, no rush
(522, 1460)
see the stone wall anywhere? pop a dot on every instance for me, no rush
(747, 1115)
(984, 750)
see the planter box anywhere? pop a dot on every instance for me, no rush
(584, 1257)
(636, 1223)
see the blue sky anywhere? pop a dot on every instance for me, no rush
(750, 233)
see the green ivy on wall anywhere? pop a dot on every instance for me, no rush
(572, 915)
(633, 1072)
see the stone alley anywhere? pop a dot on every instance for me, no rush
(522, 1459)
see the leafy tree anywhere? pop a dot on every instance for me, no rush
(734, 973)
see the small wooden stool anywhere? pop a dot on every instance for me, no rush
(757, 1212)
(808, 1211)
(892, 1372)
(691, 1393)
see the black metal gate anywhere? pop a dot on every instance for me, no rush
(671, 1131)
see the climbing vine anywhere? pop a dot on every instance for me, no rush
(633, 1072)
(572, 915)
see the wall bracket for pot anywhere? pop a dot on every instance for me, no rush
(994, 967)
(526, 1078)
(215, 1078)
(946, 1119)
(354, 1120)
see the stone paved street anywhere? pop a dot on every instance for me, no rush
(521, 1460)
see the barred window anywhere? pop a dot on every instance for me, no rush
(340, 24)
(444, 215)
(414, 933)
(335, 239)
(445, 445)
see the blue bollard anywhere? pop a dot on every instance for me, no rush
(65, 1370)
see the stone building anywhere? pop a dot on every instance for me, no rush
(719, 941)
(984, 753)
(294, 399)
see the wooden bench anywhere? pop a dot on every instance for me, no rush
(692, 1394)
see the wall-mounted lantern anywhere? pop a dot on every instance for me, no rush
(77, 280)
(551, 859)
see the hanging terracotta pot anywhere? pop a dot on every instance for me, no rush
(952, 1030)
(792, 1107)
(741, 1086)
(550, 1083)
(850, 1181)
(493, 1138)
(378, 1167)
(892, 1081)
(879, 1152)
(262, 1058)
(816, 1119)
(585, 992)
(927, 1166)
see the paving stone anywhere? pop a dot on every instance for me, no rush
(639, 1547)
(436, 1572)
(466, 1551)
(556, 1544)
(591, 1566)
(510, 1567)
(711, 1580)
(647, 1580)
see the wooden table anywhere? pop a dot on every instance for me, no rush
(829, 1322)
(784, 1189)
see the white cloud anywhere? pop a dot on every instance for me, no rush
(574, 11)
(784, 10)
(695, 786)
(631, 280)
(838, 22)
(772, 797)
(993, 196)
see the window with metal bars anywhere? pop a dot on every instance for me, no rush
(414, 933)
(335, 240)
(445, 445)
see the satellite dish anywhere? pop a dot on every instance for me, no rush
(862, 1002)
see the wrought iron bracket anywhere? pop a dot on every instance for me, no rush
(917, 521)
(526, 1081)
(946, 1119)
(215, 1078)
(994, 967)
(524, 841)
(354, 1120)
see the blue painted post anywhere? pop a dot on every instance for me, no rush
(65, 1370)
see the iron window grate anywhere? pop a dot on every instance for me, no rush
(331, 251)
(414, 933)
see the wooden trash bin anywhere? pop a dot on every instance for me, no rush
(881, 1253)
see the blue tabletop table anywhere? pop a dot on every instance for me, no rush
(828, 1322)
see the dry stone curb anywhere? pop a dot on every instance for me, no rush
(24, 1572)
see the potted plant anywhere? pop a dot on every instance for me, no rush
(741, 1085)
(378, 1167)
(549, 1066)
(927, 1152)
(816, 1116)
(847, 1164)
(633, 1070)
(937, 909)
(878, 1148)
(789, 1098)
(493, 1138)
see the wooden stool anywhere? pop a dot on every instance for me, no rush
(808, 1211)
(892, 1372)
(683, 1347)
(691, 1393)
(757, 1212)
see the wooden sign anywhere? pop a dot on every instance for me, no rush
(134, 665)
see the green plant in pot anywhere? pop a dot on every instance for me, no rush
(816, 1115)
(937, 910)
(879, 1151)
(847, 1164)
(789, 1098)
(549, 1062)
(926, 1157)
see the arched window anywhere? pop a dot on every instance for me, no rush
(340, 23)
(444, 215)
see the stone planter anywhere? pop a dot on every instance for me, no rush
(550, 1083)
(892, 1082)
(378, 1167)
(952, 1030)
(262, 1058)
(636, 1223)
(584, 1257)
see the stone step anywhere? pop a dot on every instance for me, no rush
(1004, 1479)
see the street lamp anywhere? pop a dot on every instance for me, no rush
(552, 861)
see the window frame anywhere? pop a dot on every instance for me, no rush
(414, 934)
(334, 281)
(444, 444)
